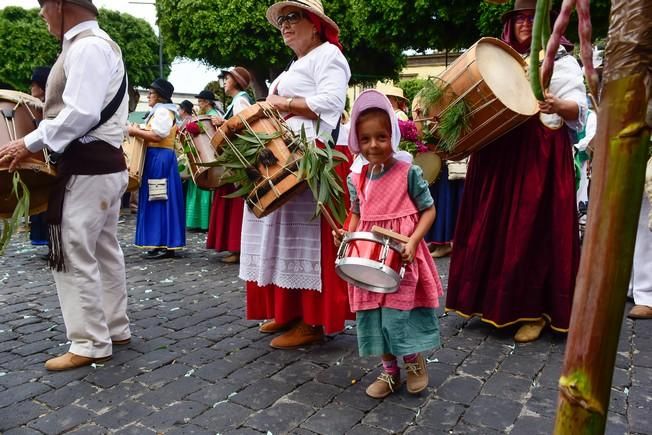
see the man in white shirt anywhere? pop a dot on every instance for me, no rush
(85, 117)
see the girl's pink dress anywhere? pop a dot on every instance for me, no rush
(385, 202)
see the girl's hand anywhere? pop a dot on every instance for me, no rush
(409, 251)
(338, 236)
(217, 120)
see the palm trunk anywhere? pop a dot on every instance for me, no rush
(616, 189)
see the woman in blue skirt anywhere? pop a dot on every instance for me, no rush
(160, 226)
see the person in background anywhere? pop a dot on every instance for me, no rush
(185, 112)
(396, 97)
(640, 287)
(38, 226)
(516, 247)
(225, 228)
(198, 200)
(160, 221)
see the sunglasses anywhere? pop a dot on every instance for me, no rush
(291, 18)
(520, 19)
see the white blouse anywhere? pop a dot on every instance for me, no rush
(567, 83)
(322, 78)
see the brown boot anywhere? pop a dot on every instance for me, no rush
(640, 312)
(232, 258)
(384, 385)
(442, 251)
(417, 375)
(69, 361)
(272, 326)
(530, 331)
(301, 335)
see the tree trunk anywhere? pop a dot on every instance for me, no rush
(258, 78)
(618, 173)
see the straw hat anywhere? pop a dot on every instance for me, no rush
(390, 90)
(520, 5)
(313, 6)
(86, 4)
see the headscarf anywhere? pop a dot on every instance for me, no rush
(523, 48)
(373, 99)
(327, 32)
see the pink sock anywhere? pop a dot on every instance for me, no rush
(412, 358)
(391, 366)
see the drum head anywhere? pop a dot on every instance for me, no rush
(368, 274)
(503, 70)
(430, 163)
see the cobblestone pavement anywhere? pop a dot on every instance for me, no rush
(195, 366)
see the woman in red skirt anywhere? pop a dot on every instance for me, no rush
(225, 226)
(288, 258)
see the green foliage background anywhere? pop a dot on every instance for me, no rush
(221, 33)
(26, 44)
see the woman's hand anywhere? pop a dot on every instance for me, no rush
(217, 120)
(567, 109)
(279, 103)
(409, 251)
(338, 236)
(133, 130)
(550, 104)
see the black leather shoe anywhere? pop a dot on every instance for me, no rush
(152, 253)
(162, 253)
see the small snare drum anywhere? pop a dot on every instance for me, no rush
(371, 261)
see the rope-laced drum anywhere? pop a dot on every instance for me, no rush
(135, 151)
(262, 143)
(490, 81)
(198, 151)
(19, 115)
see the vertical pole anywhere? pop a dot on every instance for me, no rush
(622, 141)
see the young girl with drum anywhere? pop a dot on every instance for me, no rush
(388, 191)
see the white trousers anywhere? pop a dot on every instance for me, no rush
(93, 290)
(640, 286)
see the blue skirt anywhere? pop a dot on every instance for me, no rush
(161, 224)
(448, 198)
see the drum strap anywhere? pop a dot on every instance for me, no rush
(93, 158)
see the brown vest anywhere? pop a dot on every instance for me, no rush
(57, 80)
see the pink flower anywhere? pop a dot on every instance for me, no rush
(408, 130)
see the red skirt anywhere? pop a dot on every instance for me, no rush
(225, 226)
(328, 308)
(516, 244)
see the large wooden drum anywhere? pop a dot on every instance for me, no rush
(19, 115)
(278, 182)
(198, 149)
(491, 78)
(135, 151)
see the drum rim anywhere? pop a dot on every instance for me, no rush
(372, 237)
(357, 261)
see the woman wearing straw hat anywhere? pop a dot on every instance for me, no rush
(517, 237)
(225, 227)
(287, 257)
(395, 96)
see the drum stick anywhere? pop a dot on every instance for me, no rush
(389, 233)
(329, 218)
